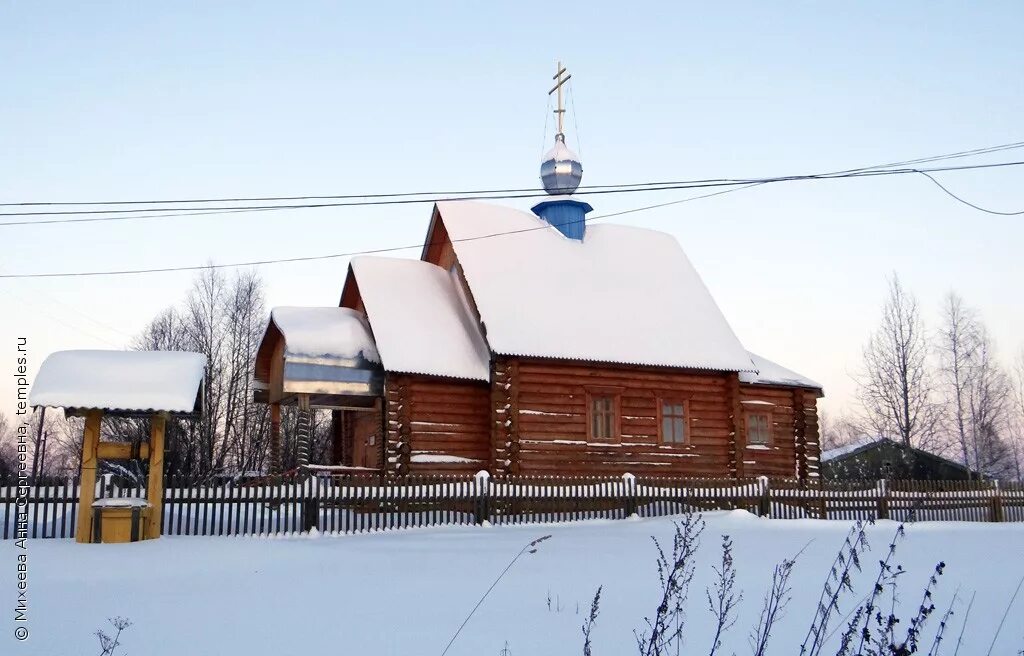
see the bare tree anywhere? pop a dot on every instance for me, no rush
(222, 318)
(988, 397)
(895, 386)
(957, 345)
(8, 449)
(203, 323)
(1017, 416)
(838, 430)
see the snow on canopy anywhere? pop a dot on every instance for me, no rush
(324, 332)
(421, 319)
(124, 381)
(771, 373)
(622, 294)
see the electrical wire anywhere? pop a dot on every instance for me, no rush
(964, 153)
(132, 214)
(378, 251)
(968, 203)
(575, 126)
(332, 256)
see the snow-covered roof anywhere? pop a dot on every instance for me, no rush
(846, 449)
(622, 294)
(331, 333)
(771, 373)
(121, 381)
(421, 319)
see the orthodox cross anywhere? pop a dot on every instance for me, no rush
(559, 81)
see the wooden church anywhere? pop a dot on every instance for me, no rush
(534, 343)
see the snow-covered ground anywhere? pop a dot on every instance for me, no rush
(406, 592)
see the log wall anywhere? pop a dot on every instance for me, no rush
(533, 420)
(793, 451)
(546, 402)
(436, 425)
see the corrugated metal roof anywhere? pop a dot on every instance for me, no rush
(771, 373)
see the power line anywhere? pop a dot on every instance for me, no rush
(393, 249)
(61, 321)
(132, 214)
(963, 153)
(331, 256)
(968, 203)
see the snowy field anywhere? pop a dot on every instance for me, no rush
(406, 592)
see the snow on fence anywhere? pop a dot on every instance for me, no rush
(361, 503)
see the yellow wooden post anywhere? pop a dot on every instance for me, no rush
(87, 494)
(155, 487)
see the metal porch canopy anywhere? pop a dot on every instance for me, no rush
(321, 357)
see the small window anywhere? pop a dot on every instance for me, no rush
(603, 420)
(759, 428)
(673, 421)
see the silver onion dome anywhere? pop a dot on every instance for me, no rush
(561, 171)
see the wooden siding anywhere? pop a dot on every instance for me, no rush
(430, 417)
(546, 401)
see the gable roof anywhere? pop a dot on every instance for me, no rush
(421, 319)
(122, 382)
(771, 373)
(622, 294)
(865, 443)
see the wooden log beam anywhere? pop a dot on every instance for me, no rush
(155, 484)
(87, 493)
(800, 434)
(739, 429)
(121, 451)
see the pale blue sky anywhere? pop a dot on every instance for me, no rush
(166, 100)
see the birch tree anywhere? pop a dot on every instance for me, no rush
(203, 324)
(895, 386)
(1017, 417)
(246, 423)
(222, 318)
(957, 345)
(988, 397)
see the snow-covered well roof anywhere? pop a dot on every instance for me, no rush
(771, 373)
(622, 294)
(329, 333)
(421, 318)
(120, 381)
